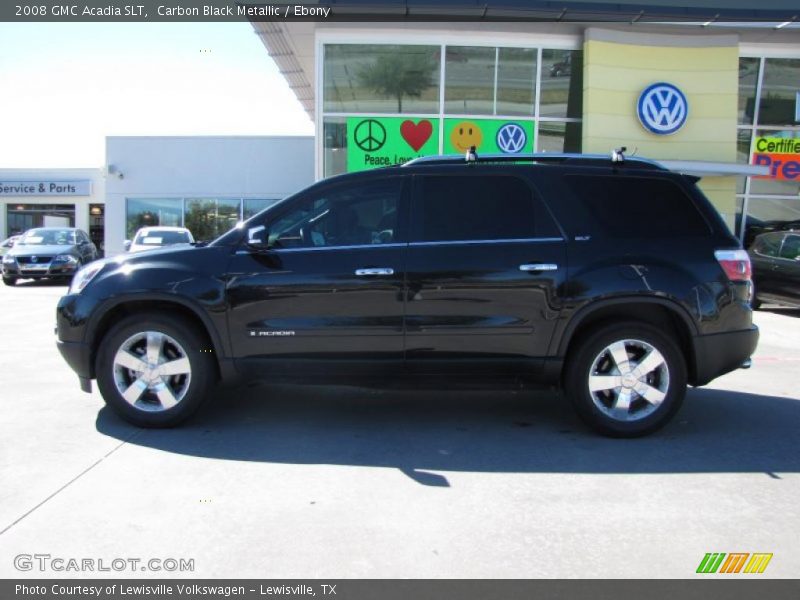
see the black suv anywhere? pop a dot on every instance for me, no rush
(617, 281)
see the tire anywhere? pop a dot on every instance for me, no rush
(12, 281)
(594, 363)
(165, 400)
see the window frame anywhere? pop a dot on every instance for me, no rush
(539, 210)
(286, 207)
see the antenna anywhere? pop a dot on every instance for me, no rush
(471, 155)
(618, 155)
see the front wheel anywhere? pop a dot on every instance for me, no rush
(10, 280)
(154, 370)
(626, 379)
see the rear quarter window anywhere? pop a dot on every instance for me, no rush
(628, 207)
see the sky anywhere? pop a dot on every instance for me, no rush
(64, 87)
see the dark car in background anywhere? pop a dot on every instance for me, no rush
(48, 253)
(776, 269)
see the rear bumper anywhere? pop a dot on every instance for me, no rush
(722, 353)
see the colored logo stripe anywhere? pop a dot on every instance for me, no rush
(758, 563)
(711, 562)
(735, 561)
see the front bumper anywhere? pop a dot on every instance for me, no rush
(721, 353)
(51, 270)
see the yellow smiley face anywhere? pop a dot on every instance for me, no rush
(466, 134)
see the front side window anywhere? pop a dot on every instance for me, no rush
(474, 208)
(360, 214)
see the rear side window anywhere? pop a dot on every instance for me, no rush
(768, 245)
(637, 206)
(472, 208)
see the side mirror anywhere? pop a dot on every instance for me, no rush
(127, 245)
(258, 238)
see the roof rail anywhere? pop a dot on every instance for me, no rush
(563, 158)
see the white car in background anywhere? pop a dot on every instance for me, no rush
(148, 238)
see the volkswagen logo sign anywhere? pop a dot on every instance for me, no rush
(34, 259)
(511, 138)
(662, 108)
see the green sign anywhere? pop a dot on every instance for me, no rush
(489, 136)
(384, 141)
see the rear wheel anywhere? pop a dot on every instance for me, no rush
(626, 379)
(152, 369)
(9, 280)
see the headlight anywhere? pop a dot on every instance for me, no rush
(65, 258)
(8, 259)
(84, 276)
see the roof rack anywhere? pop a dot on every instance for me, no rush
(562, 158)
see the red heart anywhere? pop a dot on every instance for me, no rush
(416, 135)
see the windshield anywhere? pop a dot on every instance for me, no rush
(47, 237)
(161, 237)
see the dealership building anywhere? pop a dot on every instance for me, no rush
(713, 98)
(702, 94)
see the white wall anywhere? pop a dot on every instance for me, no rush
(216, 167)
(81, 203)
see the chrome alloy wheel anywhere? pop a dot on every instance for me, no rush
(628, 380)
(152, 371)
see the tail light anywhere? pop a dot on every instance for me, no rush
(735, 263)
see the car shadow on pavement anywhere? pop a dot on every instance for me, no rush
(427, 433)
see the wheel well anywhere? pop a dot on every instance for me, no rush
(657, 315)
(126, 309)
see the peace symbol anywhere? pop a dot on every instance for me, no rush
(369, 135)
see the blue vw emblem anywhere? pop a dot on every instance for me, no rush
(662, 108)
(511, 138)
(34, 259)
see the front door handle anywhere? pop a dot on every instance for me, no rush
(538, 267)
(372, 271)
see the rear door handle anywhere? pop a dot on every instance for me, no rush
(371, 272)
(538, 267)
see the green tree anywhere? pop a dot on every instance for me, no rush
(398, 75)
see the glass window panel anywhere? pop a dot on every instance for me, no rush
(562, 84)
(334, 148)
(255, 205)
(349, 215)
(469, 80)
(375, 78)
(146, 212)
(616, 208)
(742, 155)
(516, 74)
(785, 167)
(779, 91)
(475, 208)
(559, 136)
(773, 209)
(748, 80)
(209, 218)
(791, 247)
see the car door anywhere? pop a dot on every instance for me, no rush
(85, 247)
(485, 263)
(765, 260)
(787, 272)
(328, 292)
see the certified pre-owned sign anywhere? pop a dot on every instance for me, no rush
(662, 108)
(46, 188)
